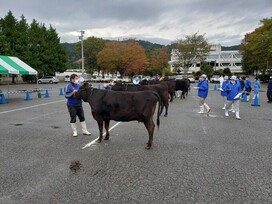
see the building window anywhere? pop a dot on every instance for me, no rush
(212, 57)
(238, 56)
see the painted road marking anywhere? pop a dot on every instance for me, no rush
(29, 107)
(94, 141)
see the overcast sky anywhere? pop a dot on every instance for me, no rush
(160, 21)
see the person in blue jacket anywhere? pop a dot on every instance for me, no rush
(234, 92)
(257, 86)
(269, 90)
(75, 106)
(224, 93)
(248, 87)
(203, 88)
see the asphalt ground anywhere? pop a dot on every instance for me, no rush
(194, 158)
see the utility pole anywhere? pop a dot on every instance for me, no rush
(82, 54)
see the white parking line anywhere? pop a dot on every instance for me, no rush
(94, 141)
(25, 108)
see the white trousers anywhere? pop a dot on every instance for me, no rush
(224, 100)
(235, 104)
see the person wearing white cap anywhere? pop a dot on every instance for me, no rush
(234, 92)
(203, 88)
(136, 80)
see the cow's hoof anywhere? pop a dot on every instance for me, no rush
(107, 138)
(148, 147)
(99, 140)
(165, 115)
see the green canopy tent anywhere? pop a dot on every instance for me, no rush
(13, 65)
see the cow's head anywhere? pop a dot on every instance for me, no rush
(84, 92)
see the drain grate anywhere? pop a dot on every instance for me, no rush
(75, 166)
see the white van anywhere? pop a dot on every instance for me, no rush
(67, 78)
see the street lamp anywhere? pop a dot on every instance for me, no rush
(82, 55)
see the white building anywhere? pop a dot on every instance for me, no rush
(217, 58)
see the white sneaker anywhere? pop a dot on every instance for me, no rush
(200, 112)
(233, 111)
(226, 114)
(224, 108)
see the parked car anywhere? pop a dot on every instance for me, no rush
(178, 76)
(48, 79)
(191, 78)
(116, 79)
(215, 79)
(126, 79)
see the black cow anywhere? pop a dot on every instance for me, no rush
(171, 84)
(161, 89)
(184, 86)
(121, 106)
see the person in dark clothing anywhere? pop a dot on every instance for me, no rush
(248, 87)
(269, 90)
(75, 106)
(242, 83)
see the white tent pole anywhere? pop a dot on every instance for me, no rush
(37, 81)
(8, 90)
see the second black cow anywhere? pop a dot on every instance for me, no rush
(161, 89)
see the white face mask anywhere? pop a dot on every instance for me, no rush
(76, 81)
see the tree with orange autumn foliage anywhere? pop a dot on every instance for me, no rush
(126, 57)
(158, 61)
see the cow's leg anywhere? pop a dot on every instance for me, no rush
(166, 105)
(149, 124)
(172, 96)
(183, 95)
(107, 125)
(100, 127)
(161, 108)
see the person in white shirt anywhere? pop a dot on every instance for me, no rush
(221, 80)
(136, 80)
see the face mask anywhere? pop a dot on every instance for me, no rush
(76, 81)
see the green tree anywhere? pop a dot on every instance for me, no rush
(22, 39)
(158, 60)
(34, 44)
(227, 71)
(190, 50)
(92, 46)
(257, 48)
(8, 31)
(207, 69)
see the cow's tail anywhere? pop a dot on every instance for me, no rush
(159, 109)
